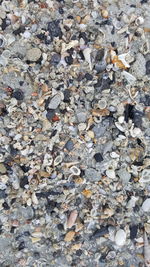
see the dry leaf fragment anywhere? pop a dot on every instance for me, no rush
(146, 251)
(69, 236)
(72, 218)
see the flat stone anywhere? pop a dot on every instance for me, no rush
(54, 102)
(124, 175)
(2, 168)
(146, 205)
(33, 54)
(139, 67)
(120, 237)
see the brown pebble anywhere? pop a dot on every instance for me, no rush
(69, 236)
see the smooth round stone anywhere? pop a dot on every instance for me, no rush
(146, 205)
(33, 54)
(120, 237)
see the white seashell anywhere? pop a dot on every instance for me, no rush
(145, 178)
(120, 238)
(72, 218)
(146, 251)
(129, 77)
(146, 205)
(57, 160)
(122, 58)
(114, 155)
(87, 55)
(111, 174)
(136, 132)
(75, 170)
(131, 203)
(139, 21)
(121, 119)
(121, 128)
(34, 199)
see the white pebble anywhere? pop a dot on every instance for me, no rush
(120, 237)
(111, 174)
(146, 205)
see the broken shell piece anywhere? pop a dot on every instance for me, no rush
(104, 13)
(111, 174)
(139, 20)
(146, 251)
(75, 170)
(122, 57)
(57, 160)
(65, 47)
(87, 55)
(129, 77)
(2, 41)
(72, 218)
(145, 176)
(34, 199)
(146, 205)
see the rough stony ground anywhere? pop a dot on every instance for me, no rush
(74, 133)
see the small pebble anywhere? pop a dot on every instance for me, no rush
(18, 94)
(69, 145)
(98, 157)
(33, 54)
(120, 238)
(146, 205)
(54, 102)
(111, 174)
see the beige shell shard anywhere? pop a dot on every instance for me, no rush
(72, 218)
(87, 55)
(146, 251)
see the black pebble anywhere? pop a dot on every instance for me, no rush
(133, 231)
(103, 83)
(98, 157)
(144, 2)
(54, 29)
(60, 227)
(135, 115)
(25, 168)
(83, 35)
(50, 114)
(13, 151)
(69, 60)
(61, 11)
(5, 206)
(66, 96)
(21, 245)
(148, 67)
(21, 29)
(18, 94)
(24, 181)
(79, 252)
(12, 229)
(2, 194)
(100, 232)
(88, 76)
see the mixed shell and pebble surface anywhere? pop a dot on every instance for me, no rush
(74, 133)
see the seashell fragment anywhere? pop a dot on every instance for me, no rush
(145, 178)
(87, 55)
(2, 41)
(57, 160)
(72, 218)
(146, 205)
(129, 77)
(75, 170)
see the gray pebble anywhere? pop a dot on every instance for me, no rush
(54, 102)
(69, 145)
(33, 54)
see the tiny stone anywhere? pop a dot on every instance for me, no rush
(120, 238)
(66, 96)
(55, 59)
(88, 76)
(100, 232)
(148, 67)
(54, 102)
(24, 181)
(33, 54)
(98, 157)
(18, 94)
(69, 145)
(2, 168)
(50, 114)
(69, 60)
(111, 174)
(133, 231)
(146, 205)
